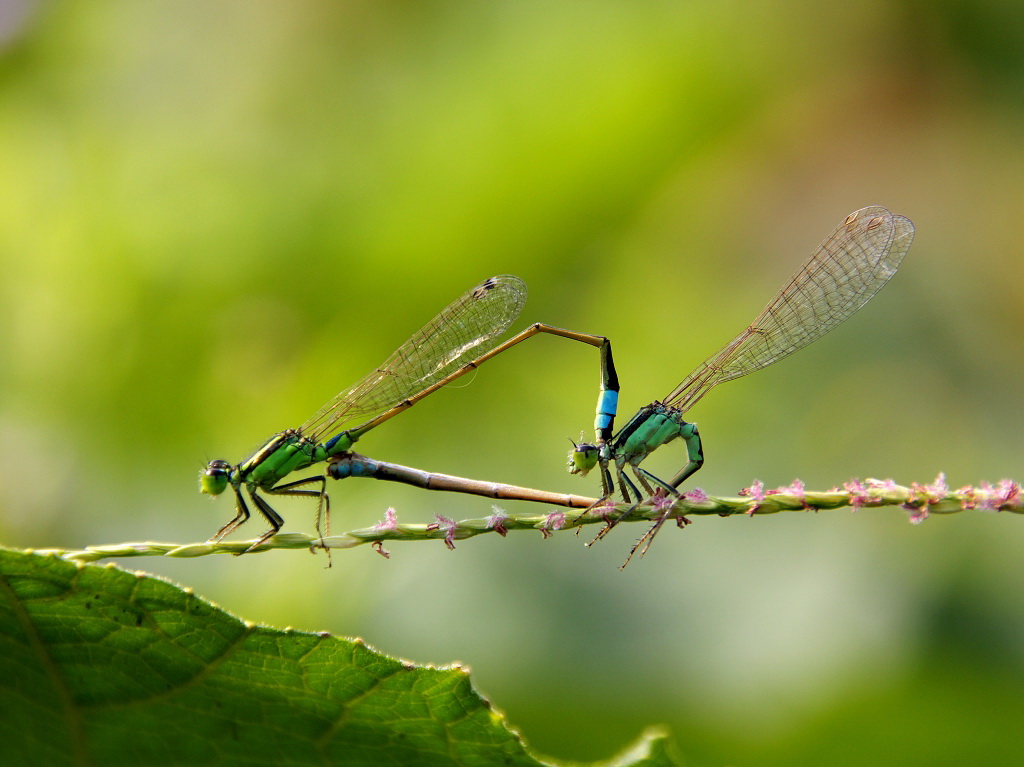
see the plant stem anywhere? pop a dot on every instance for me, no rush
(919, 499)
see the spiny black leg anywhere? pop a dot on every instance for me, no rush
(646, 479)
(607, 491)
(241, 515)
(271, 516)
(323, 508)
(648, 538)
(623, 483)
(643, 476)
(607, 488)
(599, 502)
(608, 485)
(639, 474)
(287, 486)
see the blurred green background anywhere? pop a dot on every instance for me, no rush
(215, 215)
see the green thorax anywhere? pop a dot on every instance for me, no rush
(653, 426)
(285, 452)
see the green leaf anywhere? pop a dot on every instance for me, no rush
(103, 666)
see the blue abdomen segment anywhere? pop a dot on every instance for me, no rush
(352, 467)
(607, 407)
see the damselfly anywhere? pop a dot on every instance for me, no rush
(840, 277)
(435, 355)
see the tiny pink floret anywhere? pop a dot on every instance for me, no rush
(938, 489)
(755, 491)
(858, 493)
(917, 515)
(882, 485)
(390, 521)
(796, 487)
(922, 496)
(448, 525)
(555, 521)
(1009, 493)
(1005, 495)
(1011, 489)
(661, 500)
(496, 521)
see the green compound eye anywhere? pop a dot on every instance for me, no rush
(582, 458)
(213, 480)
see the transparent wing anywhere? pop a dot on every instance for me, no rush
(465, 329)
(847, 269)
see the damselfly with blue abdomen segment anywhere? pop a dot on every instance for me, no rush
(459, 339)
(840, 277)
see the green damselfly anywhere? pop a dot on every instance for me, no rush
(840, 277)
(458, 340)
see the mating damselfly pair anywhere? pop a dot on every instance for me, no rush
(841, 275)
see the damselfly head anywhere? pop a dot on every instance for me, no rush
(213, 480)
(582, 458)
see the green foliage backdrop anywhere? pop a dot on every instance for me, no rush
(217, 214)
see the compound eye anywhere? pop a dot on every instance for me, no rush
(582, 458)
(213, 480)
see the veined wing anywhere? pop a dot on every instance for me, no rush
(465, 329)
(847, 269)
